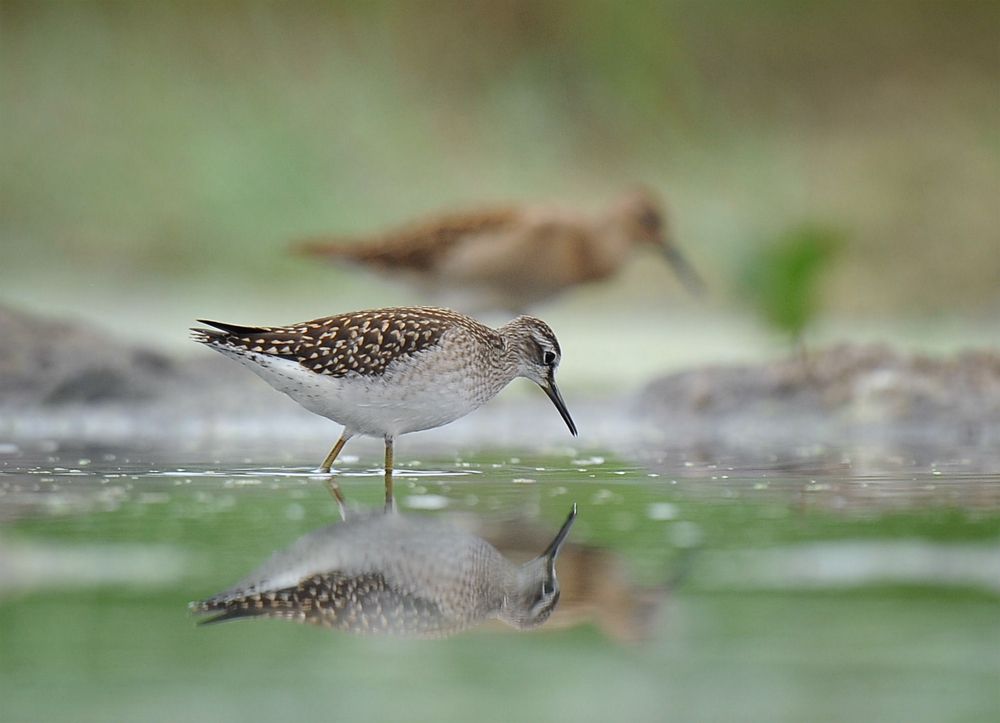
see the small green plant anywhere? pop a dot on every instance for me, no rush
(781, 279)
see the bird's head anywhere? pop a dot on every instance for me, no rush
(536, 591)
(537, 355)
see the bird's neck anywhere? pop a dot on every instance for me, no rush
(516, 345)
(520, 587)
(610, 246)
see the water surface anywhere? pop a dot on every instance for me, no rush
(762, 598)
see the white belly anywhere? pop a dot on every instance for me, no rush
(420, 393)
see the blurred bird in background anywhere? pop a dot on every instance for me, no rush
(511, 257)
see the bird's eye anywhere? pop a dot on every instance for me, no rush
(549, 358)
(650, 220)
(547, 588)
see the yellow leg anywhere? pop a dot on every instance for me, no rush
(331, 482)
(389, 502)
(328, 462)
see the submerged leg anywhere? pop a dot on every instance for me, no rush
(331, 482)
(389, 502)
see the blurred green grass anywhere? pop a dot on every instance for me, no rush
(190, 142)
(781, 279)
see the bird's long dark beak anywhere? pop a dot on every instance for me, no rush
(553, 393)
(553, 549)
(685, 272)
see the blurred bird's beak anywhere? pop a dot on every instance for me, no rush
(553, 393)
(553, 548)
(685, 272)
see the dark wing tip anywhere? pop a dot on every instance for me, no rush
(220, 611)
(229, 328)
(221, 330)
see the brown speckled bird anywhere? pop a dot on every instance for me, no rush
(394, 574)
(386, 372)
(515, 256)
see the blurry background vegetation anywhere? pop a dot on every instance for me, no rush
(156, 158)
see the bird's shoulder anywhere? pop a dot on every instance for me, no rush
(421, 245)
(366, 342)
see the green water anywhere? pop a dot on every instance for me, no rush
(100, 560)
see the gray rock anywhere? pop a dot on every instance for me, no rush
(860, 409)
(46, 363)
(863, 383)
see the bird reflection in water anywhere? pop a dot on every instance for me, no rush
(595, 583)
(395, 574)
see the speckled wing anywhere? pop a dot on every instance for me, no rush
(361, 342)
(376, 573)
(365, 603)
(420, 247)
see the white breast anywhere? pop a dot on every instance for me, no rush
(422, 391)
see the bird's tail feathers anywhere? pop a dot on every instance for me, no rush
(234, 610)
(220, 332)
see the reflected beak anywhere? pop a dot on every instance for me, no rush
(685, 272)
(553, 549)
(553, 393)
